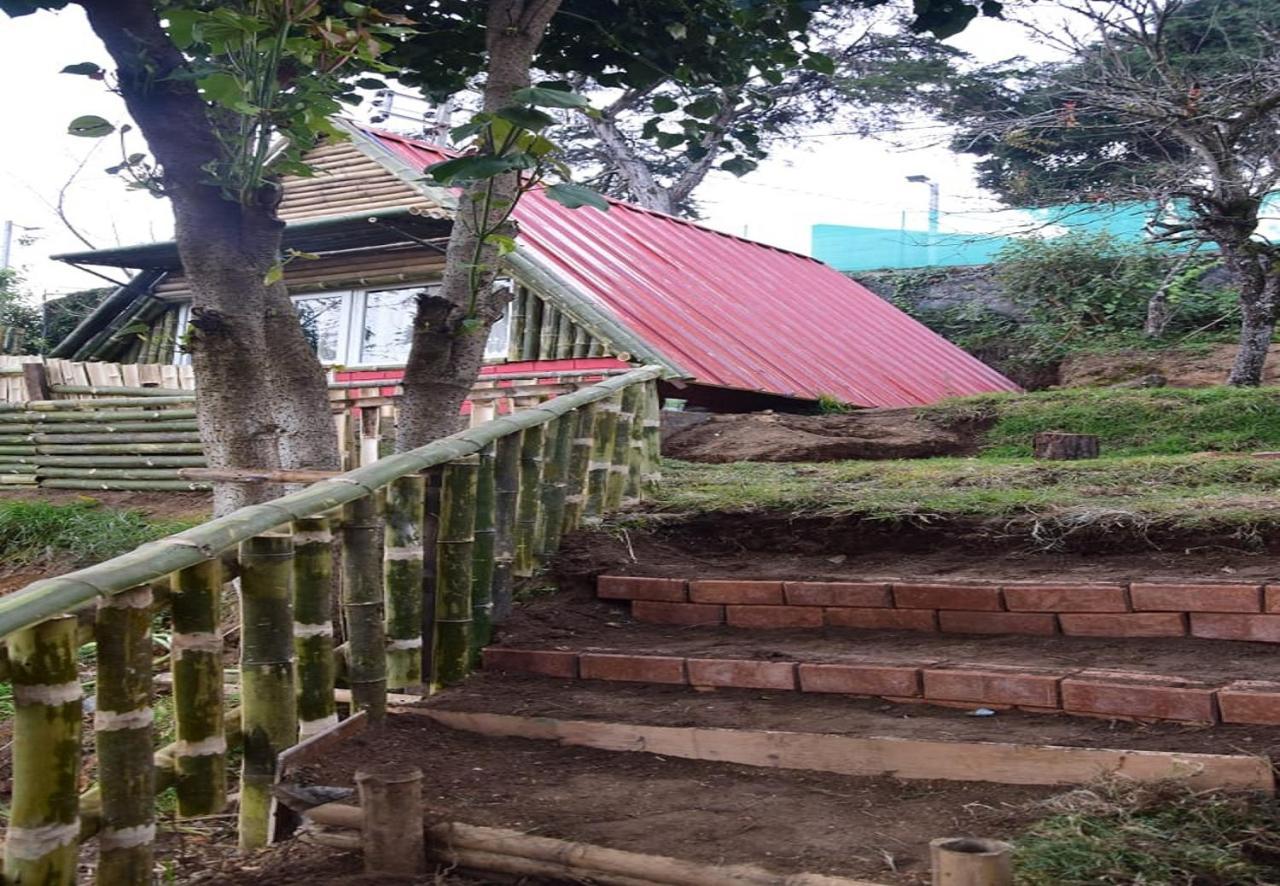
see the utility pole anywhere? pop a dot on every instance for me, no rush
(935, 199)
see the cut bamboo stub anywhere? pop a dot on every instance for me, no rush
(391, 832)
(970, 861)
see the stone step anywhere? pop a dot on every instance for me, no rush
(1221, 692)
(1208, 610)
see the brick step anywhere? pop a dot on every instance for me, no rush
(912, 677)
(1207, 610)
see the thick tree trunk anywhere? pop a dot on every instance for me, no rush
(643, 188)
(262, 398)
(1259, 296)
(445, 358)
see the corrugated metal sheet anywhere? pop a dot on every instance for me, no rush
(736, 313)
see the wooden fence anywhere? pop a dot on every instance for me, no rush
(463, 515)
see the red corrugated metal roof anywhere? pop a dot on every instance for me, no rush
(736, 313)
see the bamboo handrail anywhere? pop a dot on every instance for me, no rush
(49, 597)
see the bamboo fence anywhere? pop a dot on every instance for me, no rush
(463, 514)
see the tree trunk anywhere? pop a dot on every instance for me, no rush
(643, 188)
(1259, 291)
(262, 397)
(444, 358)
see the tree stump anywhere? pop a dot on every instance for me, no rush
(391, 836)
(1061, 446)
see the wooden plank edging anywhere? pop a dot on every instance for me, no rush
(870, 756)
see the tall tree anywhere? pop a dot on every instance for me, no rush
(212, 88)
(1170, 102)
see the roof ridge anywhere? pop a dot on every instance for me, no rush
(433, 146)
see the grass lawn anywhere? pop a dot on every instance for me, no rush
(82, 532)
(1189, 491)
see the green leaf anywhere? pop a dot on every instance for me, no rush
(274, 274)
(466, 130)
(370, 83)
(739, 166)
(677, 30)
(820, 62)
(475, 167)
(526, 117)
(471, 325)
(90, 126)
(85, 69)
(182, 26)
(506, 245)
(576, 196)
(221, 89)
(663, 104)
(357, 10)
(546, 97)
(703, 108)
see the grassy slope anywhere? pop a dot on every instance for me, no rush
(1161, 421)
(1197, 490)
(82, 532)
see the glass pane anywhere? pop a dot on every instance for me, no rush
(321, 318)
(388, 325)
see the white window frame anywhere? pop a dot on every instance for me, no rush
(350, 322)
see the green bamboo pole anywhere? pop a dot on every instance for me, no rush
(85, 416)
(112, 437)
(455, 553)
(42, 840)
(362, 606)
(482, 561)
(123, 427)
(546, 481)
(636, 450)
(117, 461)
(532, 328)
(616, 487)
(313, 624)
(130, 485)
(550, 326)
(555, 486)
(601, 455)
(182, 401)
(580, 343)
(103, 473)
(575, 500)
(402, 577)
(430, 560)
(118, 391)
(48, 597)
(595, 347)
(269, 707)
(652, 438)
(515, 337)
(122, 723)
(200, 753)
(506, 493)
(122, 448)
(527, 506)
(564, 337)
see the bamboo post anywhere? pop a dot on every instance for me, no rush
(615, 489)
(482, 561)
(636, 449)
(968, 861)
(531, 443)
(313, 624)
(601, 455)
(506, 493)
(362, 605)
(370, 434)
(564, 337)
(550, 326)
(268, 706)
(584, 426)
(516, 336)
(431, 479)
(404, 516)
(455, 551)
(555, 485)
(122, 729)
(200, 752)
(532, 327)
(653, 439)
(550, 433)
(391, 833)
(41, 843)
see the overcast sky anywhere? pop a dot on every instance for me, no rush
(833, 180)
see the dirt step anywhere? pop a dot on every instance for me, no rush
(717, 813)
(1182, 679)
(1240, 610)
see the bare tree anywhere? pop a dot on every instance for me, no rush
(1176, 111)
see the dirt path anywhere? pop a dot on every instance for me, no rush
(788, 821)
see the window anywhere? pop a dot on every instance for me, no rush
(366, 328)
(322, 318)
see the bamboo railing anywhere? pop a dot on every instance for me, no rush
(419, 592)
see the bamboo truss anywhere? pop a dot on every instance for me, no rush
(462, 514)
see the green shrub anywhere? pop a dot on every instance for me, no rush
(31, 531)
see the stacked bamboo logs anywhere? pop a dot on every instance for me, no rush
(122, 443)
(421, 586)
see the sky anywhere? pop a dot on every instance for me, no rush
(822, 180)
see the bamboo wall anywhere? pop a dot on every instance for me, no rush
(464, 516)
